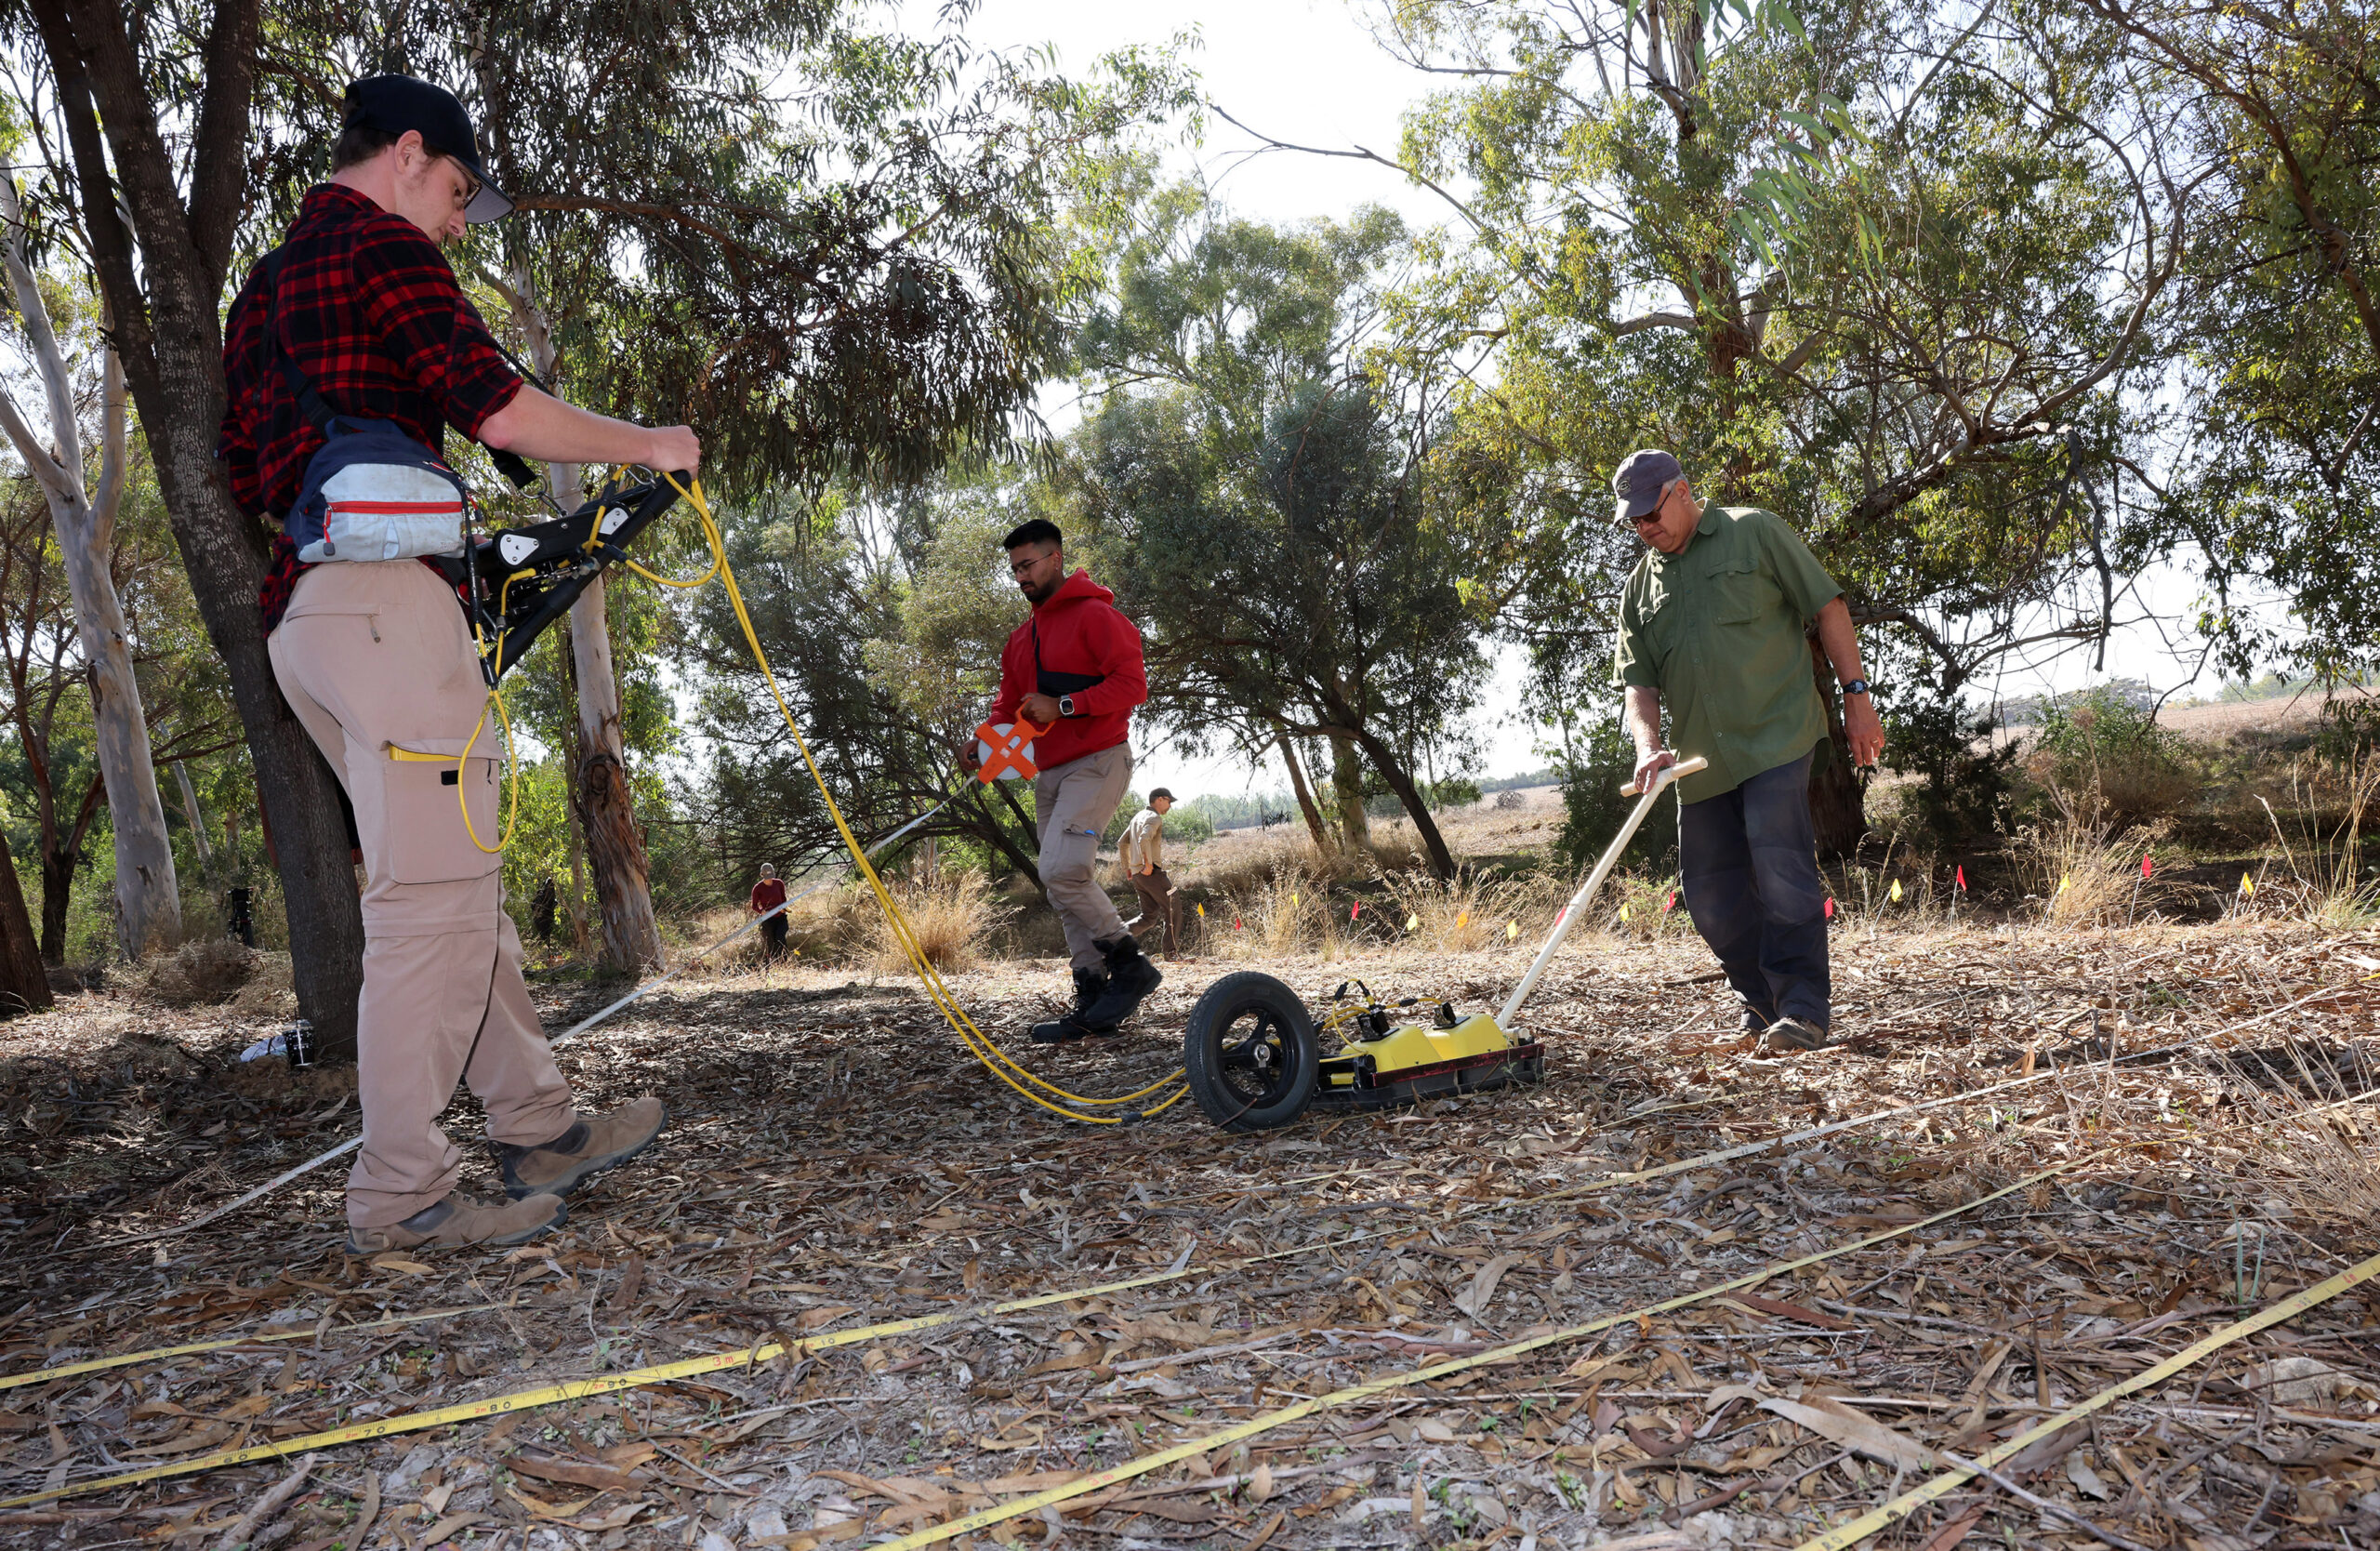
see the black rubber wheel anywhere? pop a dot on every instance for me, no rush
(1251, 1054)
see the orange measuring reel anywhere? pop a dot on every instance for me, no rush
(1006, 751)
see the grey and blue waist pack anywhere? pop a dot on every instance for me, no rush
(371, 492)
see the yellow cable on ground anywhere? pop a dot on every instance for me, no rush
(1059, 1101)
(159, 1354)
(1365, 1391)
(1844, 1536)
(574, 1389)
(580, 1389)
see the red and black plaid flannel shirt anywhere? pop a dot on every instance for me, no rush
(369, 309)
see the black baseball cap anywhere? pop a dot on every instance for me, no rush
(393, 104)
(1639, 479)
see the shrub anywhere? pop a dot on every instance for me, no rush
(2348, 733)
(1593, 807)
(2108, 762)
(1966, 789)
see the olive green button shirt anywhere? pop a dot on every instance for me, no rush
(1718, 630)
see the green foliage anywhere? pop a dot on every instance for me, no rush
(2348, 733)
(2110, 760)
(1261, 501)
(1968, 787)
(1876, 270)
(2275, 468)
(1602, 760)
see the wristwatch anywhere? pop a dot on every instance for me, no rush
(1066, 704)
(1857, 686)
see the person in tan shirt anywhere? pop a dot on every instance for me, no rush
(1142, 853)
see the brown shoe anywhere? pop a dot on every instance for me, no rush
(458, 1220)
(561, 1165)
(1790, 1034)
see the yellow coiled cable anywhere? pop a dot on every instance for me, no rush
(978, 1043)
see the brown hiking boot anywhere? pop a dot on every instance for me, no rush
(458, 1220)
(1793, 1034)
(561, 1165)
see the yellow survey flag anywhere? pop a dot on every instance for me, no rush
(1624, 912)
(2247, 885)
(1463, 919)
(1202, 913)
(1293, 899)
(1895, 891)
(1512, 930)
(1412, 923)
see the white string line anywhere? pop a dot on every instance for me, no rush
(581, 1026)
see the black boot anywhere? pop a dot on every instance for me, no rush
(1129, 977)
(1090, 985)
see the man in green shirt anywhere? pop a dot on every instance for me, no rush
(1713, 619)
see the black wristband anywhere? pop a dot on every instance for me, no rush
(1857, 686)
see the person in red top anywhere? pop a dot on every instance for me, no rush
(767, 895)
(375, 659)
(1074, 667)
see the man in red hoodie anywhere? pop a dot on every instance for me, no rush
(1075, 667)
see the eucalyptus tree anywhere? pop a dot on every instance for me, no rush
(861, 279)
(85, 495)
(883, 622)
(1260, 496)
(2277, 459)
(1882, 266)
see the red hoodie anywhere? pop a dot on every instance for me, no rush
(1089, 650)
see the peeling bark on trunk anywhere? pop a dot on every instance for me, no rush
(168, 331)
(599, 792)
(599, 796)
(148, 895)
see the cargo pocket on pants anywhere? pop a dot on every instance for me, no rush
(425, 794)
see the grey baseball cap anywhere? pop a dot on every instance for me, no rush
(1638, 481)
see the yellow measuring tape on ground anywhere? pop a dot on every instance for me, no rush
(581, 1389)
(160, 1354)
(1844, 1536)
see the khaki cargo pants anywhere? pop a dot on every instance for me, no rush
(1071, 805)
(375, 659)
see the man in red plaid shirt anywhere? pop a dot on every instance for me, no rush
(375, 659)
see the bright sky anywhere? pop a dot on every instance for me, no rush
(1308, 71)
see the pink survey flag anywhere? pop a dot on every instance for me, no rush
(2147, 866)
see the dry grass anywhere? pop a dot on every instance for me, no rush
(205, 972)
(948, 918)
(1468, 913)
(1286, 912)
(2081, 874)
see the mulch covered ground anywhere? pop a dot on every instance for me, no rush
(836, 1161)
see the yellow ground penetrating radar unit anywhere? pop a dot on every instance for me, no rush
(1256, 1059)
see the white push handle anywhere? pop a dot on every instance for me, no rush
(1610, 858)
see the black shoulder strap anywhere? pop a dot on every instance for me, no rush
(318, 413)
(301, 388)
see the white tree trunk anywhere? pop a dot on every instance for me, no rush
(600, 790)
(148, 911)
